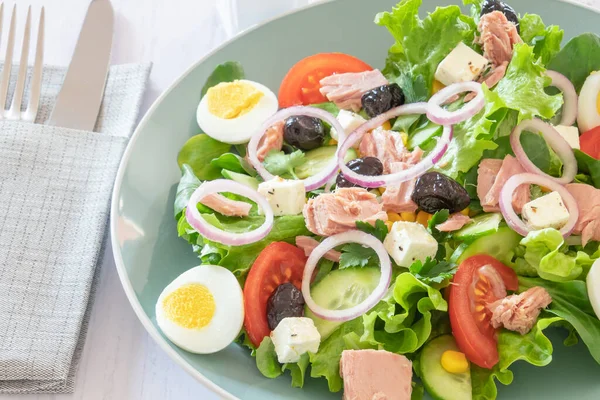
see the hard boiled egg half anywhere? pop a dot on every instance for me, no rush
(588, 108)
(202, 310)
(231, 112)
(593, 286)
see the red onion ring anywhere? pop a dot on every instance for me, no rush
(527, 178)
(384, 180)
(217, 235)
(438, 115)
(569, 112)
(375, 296)
(556, 142)
(310, 183)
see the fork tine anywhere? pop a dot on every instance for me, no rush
(15, 108)
(36, 76)
(4, 80)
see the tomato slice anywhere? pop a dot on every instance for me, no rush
(301, 84)
(278, 263)
(472, 288)
(590, 142)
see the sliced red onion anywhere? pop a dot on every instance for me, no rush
(391, 179)
(438, 115)
(215, 234)
(375, 296)
(310, 183)
(569, 111)
(554, 140)
(510, 215)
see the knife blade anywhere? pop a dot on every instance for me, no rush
(78, 102)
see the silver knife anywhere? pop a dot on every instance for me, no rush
(78, 102)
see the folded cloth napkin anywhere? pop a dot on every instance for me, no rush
(55, 187)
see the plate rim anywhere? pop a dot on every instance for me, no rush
(114, 205)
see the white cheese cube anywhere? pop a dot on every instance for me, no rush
(349, 121)
(570, 134)
(293, 337)
(286, 197)
(463, 64)
(408, 242)
(547, 211)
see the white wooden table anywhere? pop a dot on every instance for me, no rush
(120, 361)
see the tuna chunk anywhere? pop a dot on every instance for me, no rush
(519, 312)
(375, 375)
(489, 195)
(454, 223)
(225, 206)
(588, 202)
(272, 140)
(332, 213)
(389, 148)
(398, 198)
(308, 244)
(346, 90)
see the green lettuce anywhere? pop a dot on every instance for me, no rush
(545, 40)
(588, 168)
(198, 152)
(578, 59)
(267, 364)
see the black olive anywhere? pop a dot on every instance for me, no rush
(365, 166)
(497, 5)
(381, 99)
(304, 132)
(286, 301)
(434, 192)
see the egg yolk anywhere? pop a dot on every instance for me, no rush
(598, 103)
(229, 100)
(190, 306)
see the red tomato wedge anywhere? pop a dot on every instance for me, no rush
(590, 142)
(278, 263)
(470, 290)
(301, 84)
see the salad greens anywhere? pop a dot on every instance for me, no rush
(583, 48)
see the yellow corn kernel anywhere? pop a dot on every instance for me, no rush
(423, 218)
(381, 190)
(545, 189)
(465, 211)
(408, 216)
(454, 362)
(392, 216)
(387, 126)
(332, 142)
(404, 137)
(437, 86)
(389, 225)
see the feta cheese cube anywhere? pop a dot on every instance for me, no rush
(286, 197)
(463, 64)
(293, 337)
(349, 121)
(570, 133)
(408, 242)
(547, 211)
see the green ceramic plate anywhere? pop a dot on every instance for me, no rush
(149, 255)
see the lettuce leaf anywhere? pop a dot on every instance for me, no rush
(269, 366)
(545, 40)
(585, 49)
(421, 44)
(198, 152)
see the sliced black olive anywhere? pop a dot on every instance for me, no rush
(489, 6)
(286, 301)
(304, 132)
(365, 166)
(434, 192)
(381, 99)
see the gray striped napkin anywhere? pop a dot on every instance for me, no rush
(55, 187)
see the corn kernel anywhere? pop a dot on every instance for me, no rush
(392, 216)
(437, 86)
(545, 189)
(465, 211)
(454, 362)
(387, 126)
(381, 190)
(408, 216)
(404, 137)
(332, 142)
(389, 225)
(423, 218)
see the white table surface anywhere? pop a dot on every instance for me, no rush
(120, 361)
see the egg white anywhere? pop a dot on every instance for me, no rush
(227, 320)
(238, 130)
(593, 287)
(587, 111)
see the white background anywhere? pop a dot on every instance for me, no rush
(120, 360)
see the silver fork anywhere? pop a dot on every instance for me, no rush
(15, 113)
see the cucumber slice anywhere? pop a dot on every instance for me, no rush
(339, 290)
(424, 135)
(241, 178)
(439, 383)
(317, 159)
(482, 225)
(500, 245)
